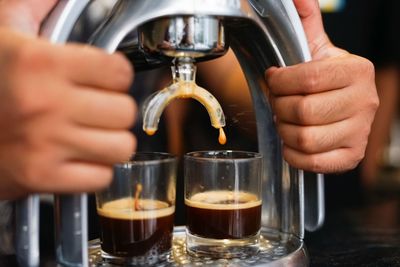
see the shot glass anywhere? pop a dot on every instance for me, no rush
(223, 203)
(136, 212)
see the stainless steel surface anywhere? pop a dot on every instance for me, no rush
(314, 214)
(276, 250)
(71, 215)
(7, 227)
(62, 19)
(201, 29)
(27, 231)
(183, 37)
(314, 208)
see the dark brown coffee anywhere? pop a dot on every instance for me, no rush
(223, 214)
(126, 232)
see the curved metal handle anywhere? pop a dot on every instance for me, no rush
(314, 194)
(58, 26)
(27, 231)
(314, 201)
(71, 210)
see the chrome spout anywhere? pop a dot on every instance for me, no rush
(160, 37)
(184, 36)
(183, 86)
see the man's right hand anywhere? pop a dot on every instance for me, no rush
(64, 114)
(323, 108)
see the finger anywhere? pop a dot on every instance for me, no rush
(311, 19)
(319, 139)
(98, 146)
(92, 67)
(39, 8)
(25, 16)
(317, 109)
(104, 109)
(75, 176)
(315, 76)
(337, 160)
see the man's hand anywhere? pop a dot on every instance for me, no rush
(324, 108)
(64, 115)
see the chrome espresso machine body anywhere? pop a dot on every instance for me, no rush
(262, 33)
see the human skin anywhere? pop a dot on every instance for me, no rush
(323, 108)
(64, 112)
(24, 16)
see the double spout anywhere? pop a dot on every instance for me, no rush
(183, 86)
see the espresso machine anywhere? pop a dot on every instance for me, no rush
(262, 33)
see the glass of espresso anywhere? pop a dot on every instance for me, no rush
(223, 203)
(136, 212)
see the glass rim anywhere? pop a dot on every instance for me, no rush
(238, 155)
(159, 157)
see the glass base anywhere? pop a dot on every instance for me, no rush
(222, 248)
(144, 260)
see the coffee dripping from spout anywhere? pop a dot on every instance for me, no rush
(183, 86)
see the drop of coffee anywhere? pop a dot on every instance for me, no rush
(150, 132)
(139, 189)
(222, 137)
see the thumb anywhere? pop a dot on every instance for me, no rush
(25, 15)
(311, 18)
(40, 8)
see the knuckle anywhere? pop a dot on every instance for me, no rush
(30, 96)
(360, 150)
(346, 162)
(359, 156)
(373, 103)
(32, 58)
(28, 105)
(34, 171)
(304, 139)
(330, 140)
(366, 67)
(363, 135)
(271, 75)
(355, 160)
(304, 110)
(310, 162)
(314, 164)
(311, 79)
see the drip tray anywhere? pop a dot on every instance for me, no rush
(276, 250)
